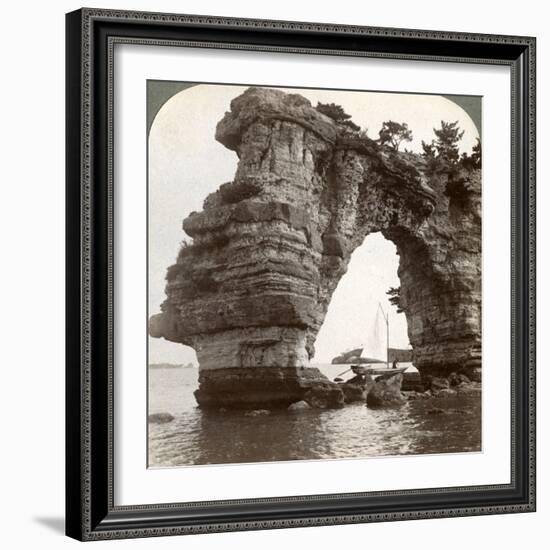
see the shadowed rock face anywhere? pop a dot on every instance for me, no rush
(269, 248)
(386, 392)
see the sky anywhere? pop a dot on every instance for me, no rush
(186, 164)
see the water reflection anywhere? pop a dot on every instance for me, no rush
(198, 437)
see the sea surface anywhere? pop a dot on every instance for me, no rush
(355, 431)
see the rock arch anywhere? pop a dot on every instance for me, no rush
(269, 248)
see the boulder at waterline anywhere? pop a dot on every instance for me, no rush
(299, 406)
(269, 388)
(354, 392)
(458, 379)
(386, 391)
(325, 396)
(412, 381)
(357, 388)
(160, 418)
(439, 383)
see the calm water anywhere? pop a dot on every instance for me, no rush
(198, 437)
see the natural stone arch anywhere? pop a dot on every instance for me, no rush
(353, 319)
(269, 248)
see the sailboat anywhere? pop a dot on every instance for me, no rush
(360, 364)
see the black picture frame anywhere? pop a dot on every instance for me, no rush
(90, 511)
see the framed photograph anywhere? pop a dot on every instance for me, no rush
(300, 274)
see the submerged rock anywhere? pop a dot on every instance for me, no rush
(354, 392)
(257, 412)
(160, 418)
(445, 392)
(325, 396)
(357, 388)
(386, 391)
(457, 379)
(439, 383)
(471, 389)
(412, 395)
(299, 406)
(460, 411)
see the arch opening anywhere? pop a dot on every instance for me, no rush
(354, 319)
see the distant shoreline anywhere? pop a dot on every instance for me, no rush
(171, 366)
(323, 364)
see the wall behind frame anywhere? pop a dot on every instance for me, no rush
(32, 289)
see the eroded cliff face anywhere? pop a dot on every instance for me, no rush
(252, 290)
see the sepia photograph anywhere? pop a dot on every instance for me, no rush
(314, 274)
(300, 271)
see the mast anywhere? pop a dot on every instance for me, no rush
(388, 339)
(387, 319)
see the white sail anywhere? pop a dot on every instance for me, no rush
(375, 345)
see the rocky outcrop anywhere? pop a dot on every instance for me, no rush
(299, 406)
(456, 385)
(386, 392)
(357, 388)
(412, 381)
(160, 418)
(266, 386)
(252, 290)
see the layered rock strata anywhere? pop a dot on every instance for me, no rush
(252, 290)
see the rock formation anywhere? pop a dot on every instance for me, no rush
(386, 392)
(357, 388)
(160, 418)
(252, 290)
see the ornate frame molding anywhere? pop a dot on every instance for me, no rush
(91, 37)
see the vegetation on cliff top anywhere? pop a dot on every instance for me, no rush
(393, 134)
(337, 113)
(442, 154)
